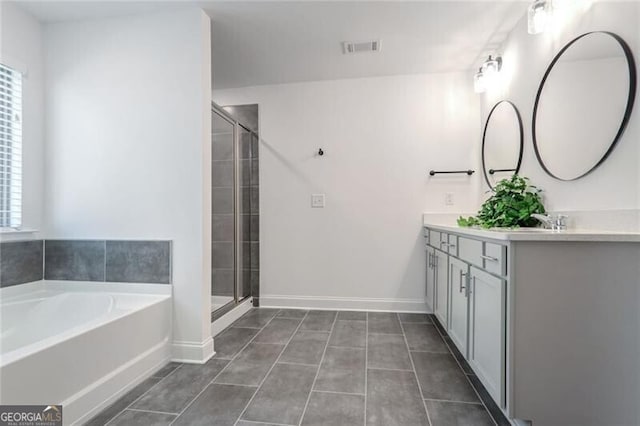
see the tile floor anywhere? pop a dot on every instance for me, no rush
(297, 367)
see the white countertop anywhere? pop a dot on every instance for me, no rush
(536, 234)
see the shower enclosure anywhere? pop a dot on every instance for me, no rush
(235, 219)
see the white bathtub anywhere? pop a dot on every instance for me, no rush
(80, 344)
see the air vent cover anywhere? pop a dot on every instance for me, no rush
(349, 47)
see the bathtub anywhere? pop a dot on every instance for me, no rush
(78, 344)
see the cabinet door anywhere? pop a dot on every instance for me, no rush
(431, 277)
(487, 332)
(441, 278)
(458, 305)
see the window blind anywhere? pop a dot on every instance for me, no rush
(10, 147)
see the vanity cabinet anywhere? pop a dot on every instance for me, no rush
(531, 312)
(469, 288)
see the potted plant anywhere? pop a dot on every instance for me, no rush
(511, 206)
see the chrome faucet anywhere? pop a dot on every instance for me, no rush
(553, 222)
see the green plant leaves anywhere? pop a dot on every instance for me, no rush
(511, 206)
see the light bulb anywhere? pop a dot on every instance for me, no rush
(538, 16)
(490, 69)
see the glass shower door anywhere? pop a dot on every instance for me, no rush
(223, 225)
(234, 212)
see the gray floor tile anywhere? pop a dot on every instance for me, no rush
(175, 391)
(256, 318)
(279, 330)
(164, 371)
(318, 321)
(388, 351)
(344, 358)
(228, 343)
(283, 395)
(248, 423)
(352, 315)
(251, 365)
(338, 380)
(292, 313)
(342, 370)
(415, 318)
(332, 409)
(142, 418)
(444, 413)
(441, 378)
(306, 347)
(393, 399)
(219, 405)
(114, 409)
(351, 334)
(424, 337)
(384, 322)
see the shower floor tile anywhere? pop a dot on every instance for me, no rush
(296, 367)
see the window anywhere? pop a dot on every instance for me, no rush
(10, 147)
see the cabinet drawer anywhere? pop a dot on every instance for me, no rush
(452, 245)
(426, 235)
(470, 251)
(495, 258)
(434, 238)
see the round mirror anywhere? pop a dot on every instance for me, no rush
(502, 142)
(583, 104)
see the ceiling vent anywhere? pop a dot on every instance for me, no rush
(349, 47)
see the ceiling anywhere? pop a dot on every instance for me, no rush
(267, 42)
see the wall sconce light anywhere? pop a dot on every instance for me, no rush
(491, 67)
(478, 82)
(538, 16)
(487, 74)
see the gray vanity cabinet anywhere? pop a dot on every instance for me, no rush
(458, 303)
(542, 316)
(469, 282)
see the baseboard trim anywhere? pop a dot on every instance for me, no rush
(344, 303)
(230, 317)
(192, 352)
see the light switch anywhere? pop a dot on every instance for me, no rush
(317, 200)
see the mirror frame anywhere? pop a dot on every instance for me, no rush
(484, 137)
(627, 113)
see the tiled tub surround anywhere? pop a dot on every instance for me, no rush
(131, 323)
(298, 367)
(20, 262)
(85, 260)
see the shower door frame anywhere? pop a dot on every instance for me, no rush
(237, 269)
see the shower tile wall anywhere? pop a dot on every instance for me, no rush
(222, 249)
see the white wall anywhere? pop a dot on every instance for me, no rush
(381, 136)
(128, 139)
(21, 49)
(615, 185)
